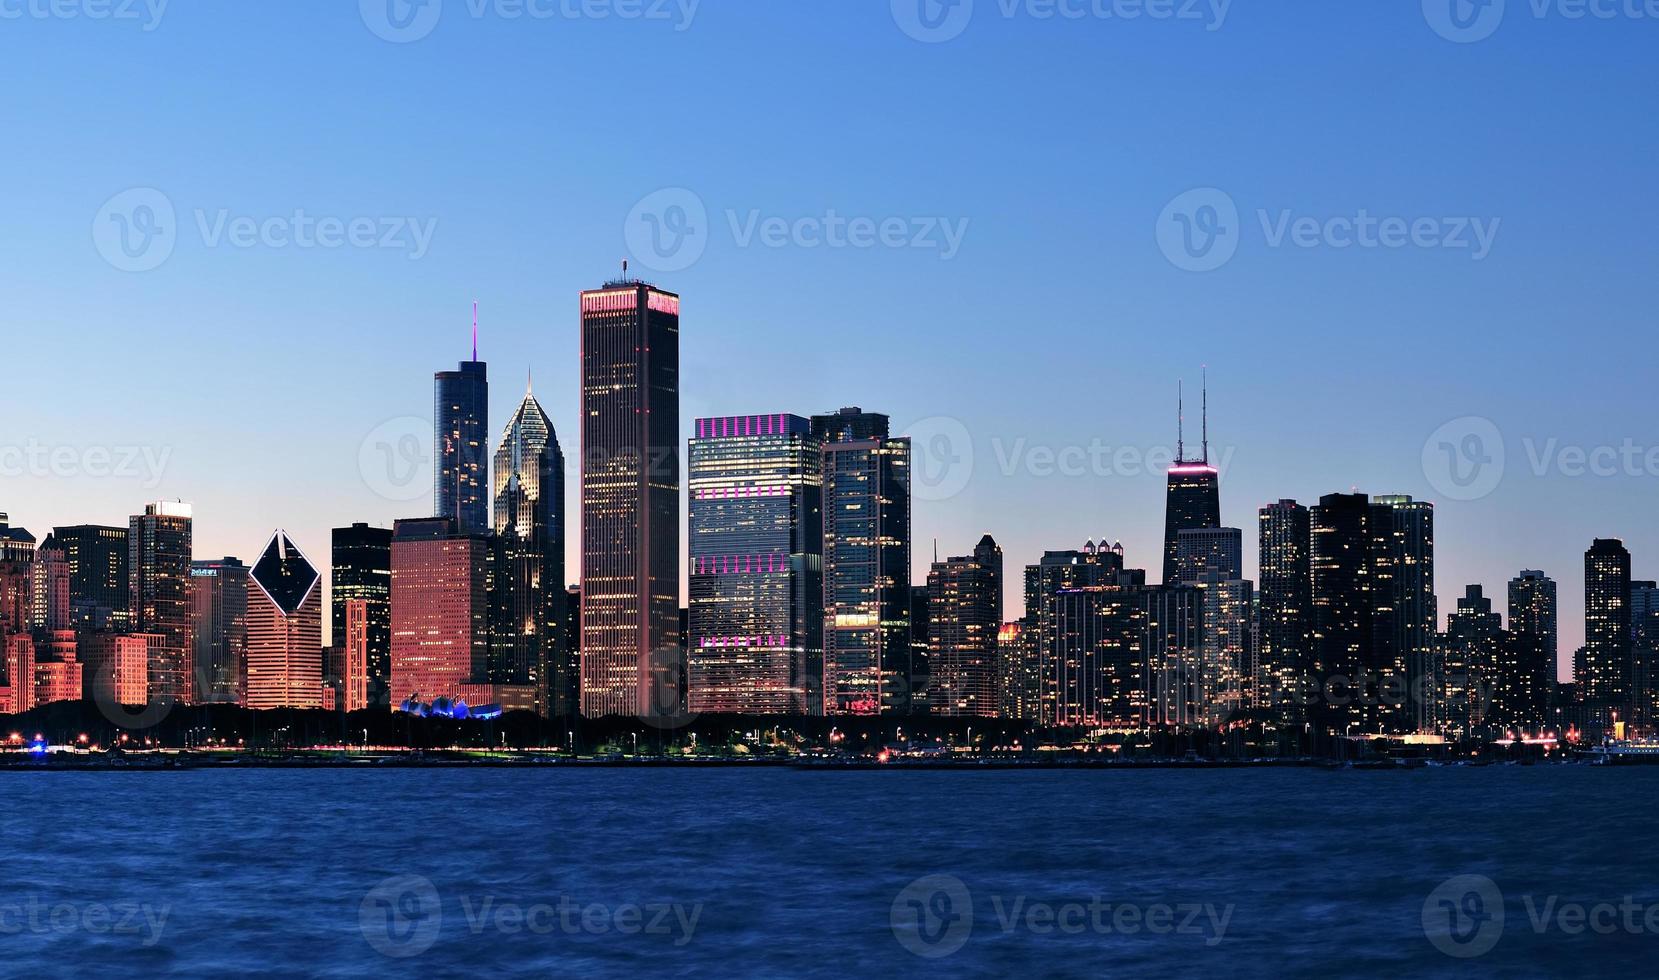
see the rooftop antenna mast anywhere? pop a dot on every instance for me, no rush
(1180, 423)
(475, 330)
(1206, 414)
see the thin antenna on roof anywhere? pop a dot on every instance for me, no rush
(1206, 414)
(1180, 423)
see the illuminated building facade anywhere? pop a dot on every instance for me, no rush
(1603, 674)
(1471, 655)
(1285, 611)
(964, 615)
(1404, 542)
(18, 695)
(868, 666)
(529, 589)
(219, 627)
(755, 621)
(158, 562)
(361, 570)
(50, 587)
(1019, 671)
(1193, 498)
(440, 610)
(100, 593)
(115, 667)
(1091, 625)
(461, 414)
(351, 672)
(58, 671)
(285, 629)
(1527, 676)
(630, 501)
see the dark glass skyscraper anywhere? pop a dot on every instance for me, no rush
(99, 593)
(1193, 499)
(868, 666)
(1404, 586)
(461, 415)
(361, 568)
(1527, 676)
(756, 619)
(1472, 653)
(528, 636)
(1604, 675)
(158, 562)
(1286, 608)
(964, 615)
(219, 617)
(630, 500)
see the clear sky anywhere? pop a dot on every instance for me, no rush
(1063, 313)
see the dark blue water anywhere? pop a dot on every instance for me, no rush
(782, 873)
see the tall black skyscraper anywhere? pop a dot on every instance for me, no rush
(528, 634)
(1405, 599)
(1472, 657)
(362, 569)
(1193, 500)
(461, 414)
(1527, 676)
(98, 590)
(1604, 675)
(1286, 607)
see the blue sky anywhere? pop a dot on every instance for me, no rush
(1052, 144)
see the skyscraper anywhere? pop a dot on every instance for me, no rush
(1342, 558)
(1092, 619)
(1286, 606)
(99, 587)
(352, 671)
(756, 618)
(1019, 671)
(1604, 676)
(462, 417)
(1472, 651)
(1404, 587)
(630, 498)
(1527, 676)
(285, 629)
(1216, 549)
(440, 610)
(868, 667)
(219, 627)
(529, 492)
(1193, 499)
(50, 587)
(965, 613)
(1212, 560)
(158, 562)
(361, 570)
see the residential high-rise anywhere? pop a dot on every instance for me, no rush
(285, 629)
(921, 622)
(755, 622)
(352, 670)
(1472, 650)
(1285, 615)
(1404, 589)
(115, 667)
(219, 628)
(1528, 674)
(99, 586)
(158, 564)
(461, 414)
(1215, 549)
(1342, 558)
(440, 610)
(1193, 499)
(1212, 560)
(1605, 672)
(964, 615)
(1019, 671)
(529, 493)
(630, 499)
(361, 570)
(868, 666)
(49, 587)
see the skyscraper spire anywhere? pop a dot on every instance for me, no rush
(475, 330)
(1180, 423)
(529, 383)
(1206, 413)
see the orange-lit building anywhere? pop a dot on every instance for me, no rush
(285, 629)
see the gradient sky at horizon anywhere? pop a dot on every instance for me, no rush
(263, 371)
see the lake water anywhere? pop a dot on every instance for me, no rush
(775, 873)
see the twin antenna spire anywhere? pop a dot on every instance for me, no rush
(1181, 421)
